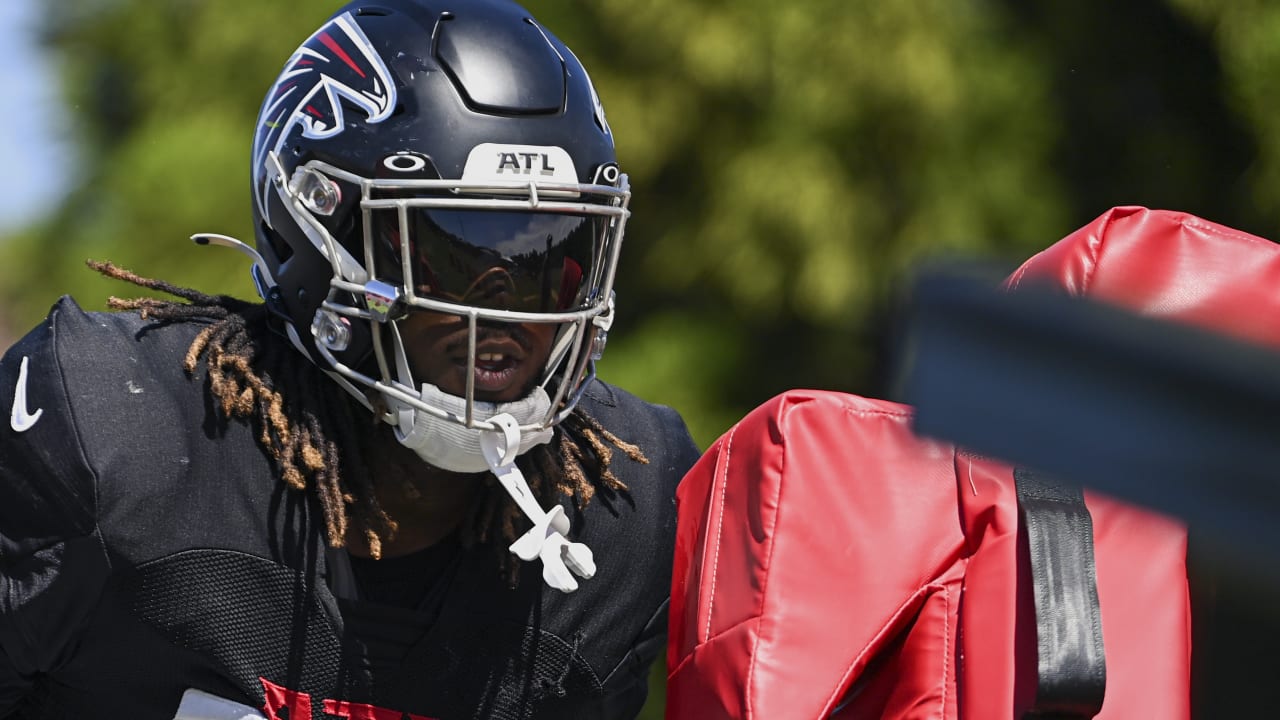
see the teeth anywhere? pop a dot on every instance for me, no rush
(490, 357)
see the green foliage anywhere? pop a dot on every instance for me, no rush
(163, 98)
(790, 162)
(1246, 35)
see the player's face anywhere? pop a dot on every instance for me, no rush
(509, 357)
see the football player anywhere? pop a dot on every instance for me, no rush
(394, 488)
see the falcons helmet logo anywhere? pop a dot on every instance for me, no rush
(336, 63)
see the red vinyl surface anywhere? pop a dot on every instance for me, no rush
(826, 558)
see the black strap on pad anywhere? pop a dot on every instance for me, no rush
(1072, 673)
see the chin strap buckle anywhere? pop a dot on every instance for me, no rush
(548, 538)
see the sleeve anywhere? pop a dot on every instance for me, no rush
(636, 602)
(683, 448)
(626, 689)
(52, 563)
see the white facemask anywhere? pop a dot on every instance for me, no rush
(449, 445)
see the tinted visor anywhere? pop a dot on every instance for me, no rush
(519, 261)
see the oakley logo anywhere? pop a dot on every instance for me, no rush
(20, 418)
(525, 163)
(405, 162)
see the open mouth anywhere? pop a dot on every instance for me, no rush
(495, 371)
(500, 370)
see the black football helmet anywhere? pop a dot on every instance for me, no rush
(416, 154)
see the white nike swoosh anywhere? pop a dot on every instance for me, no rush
(19, 418)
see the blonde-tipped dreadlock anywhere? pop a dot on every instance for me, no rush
(313, 436)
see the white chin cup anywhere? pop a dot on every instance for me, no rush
(450, 445)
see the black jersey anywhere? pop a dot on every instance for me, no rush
(147, 548)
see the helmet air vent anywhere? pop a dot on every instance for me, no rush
(507, 68)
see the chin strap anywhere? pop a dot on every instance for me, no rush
(561, 559)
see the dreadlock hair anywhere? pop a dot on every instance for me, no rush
(314, 437)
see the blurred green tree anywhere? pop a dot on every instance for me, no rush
(789, 162)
